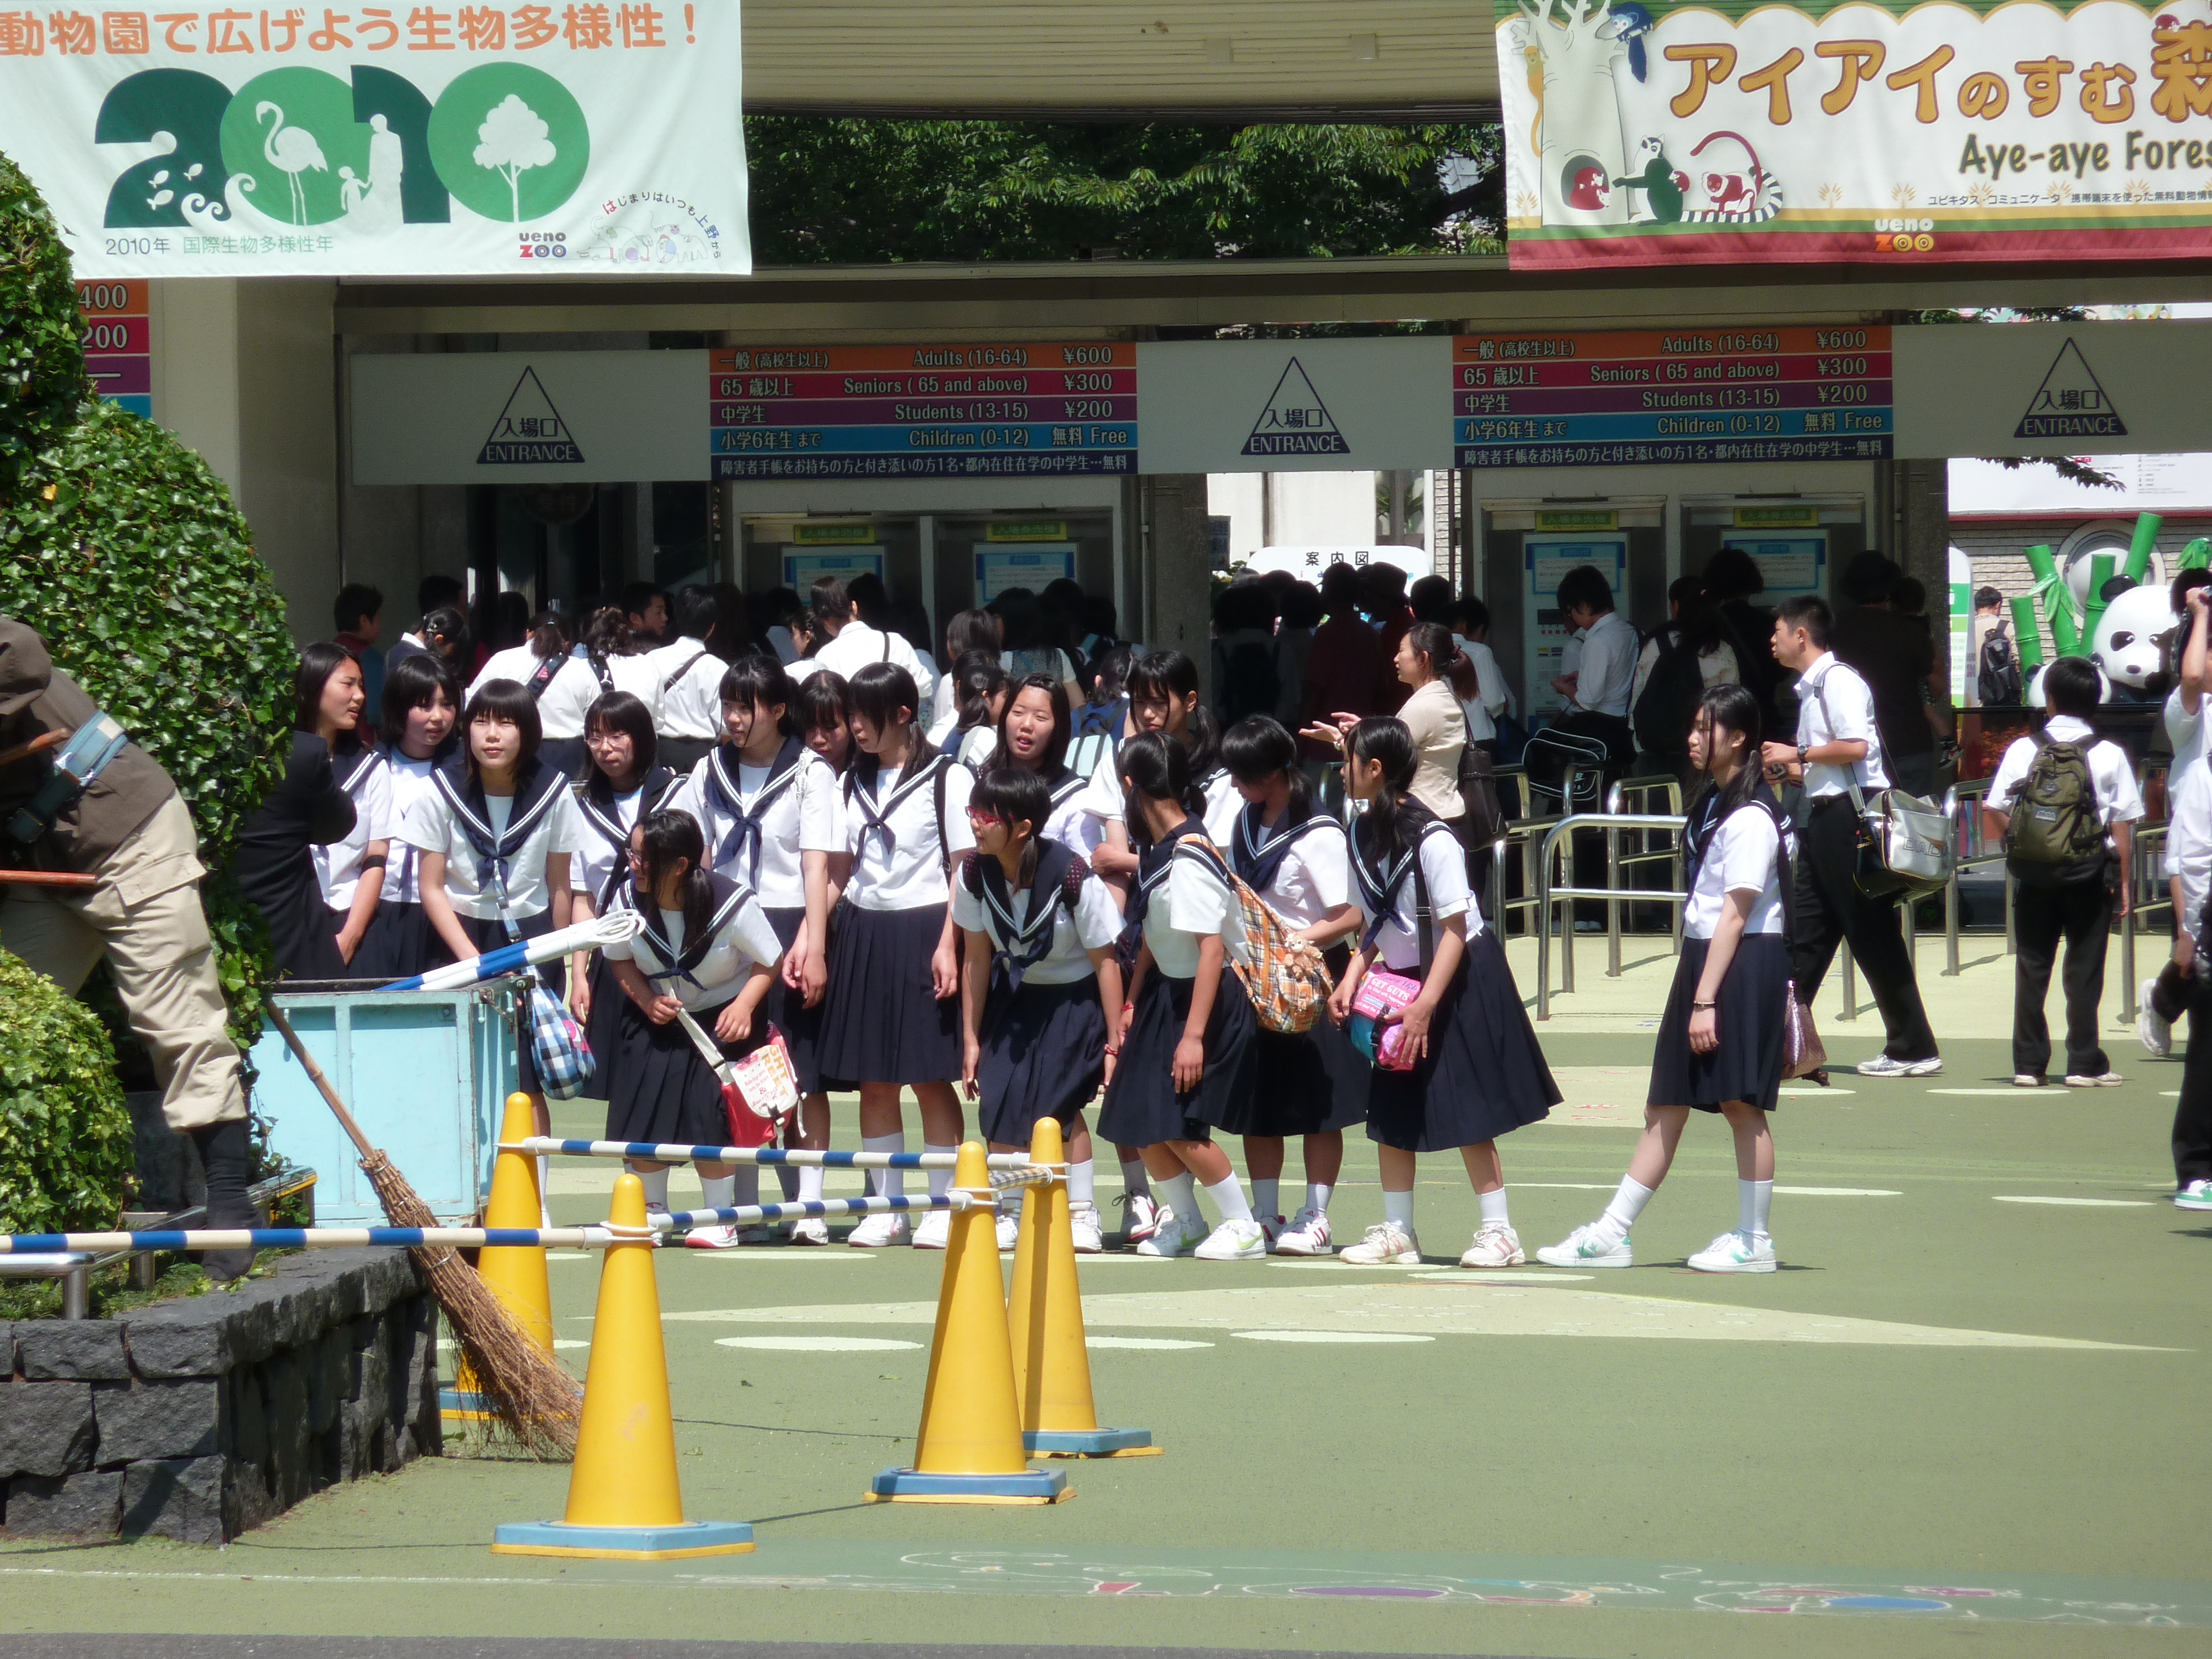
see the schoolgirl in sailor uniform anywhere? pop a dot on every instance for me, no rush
(622, 783)
(1720, 1046)
(349, 871)
(773, 816)
(422, 707)
(891, 1014)
(1313, 1084)
(1040, 986)
(1033, 737)
(497, 829)
(707, 949)
(1187, 1055)
(1478, 1072)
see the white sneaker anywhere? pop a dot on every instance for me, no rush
(2155, 1035)
(1883, 1065)
(1496, 1245)
(1171, 1235)
(1729, 1254)
(1234, 1241)
(1083, 1226)
(2196, 1195)
(658, 1221)
(2026, 1080)
(1386, 1245)
(1307, 1235)
(1141, 1214)
(1587, 1247)
(933, 1231)
(712, 1238)
(2094, 1080)
(756, 1232)
(810, 1230)
(875, 1231)
(1010, 1231)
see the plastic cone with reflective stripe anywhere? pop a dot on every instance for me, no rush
(969, 1447)
(1044, 1320)
(515, 1273)
(624, 1501)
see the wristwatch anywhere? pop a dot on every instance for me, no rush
(1801, 752)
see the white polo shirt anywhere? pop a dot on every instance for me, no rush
(572, 689)
(2111, 775)
(857, 644)
(687, 682)
(2189, 843)
(1835, 706)
(1607, 668)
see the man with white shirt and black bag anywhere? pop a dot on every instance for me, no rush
(1836, 748)
(1592, 732)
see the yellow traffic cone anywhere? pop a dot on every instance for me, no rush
(969, 1450)
(1044, 1319)
(624, 1502)
(515, 1273)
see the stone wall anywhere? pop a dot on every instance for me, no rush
(199, 1418)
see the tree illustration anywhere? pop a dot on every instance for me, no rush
(513, 137)
(1580, 140)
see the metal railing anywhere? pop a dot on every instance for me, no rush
(1547, 895)
(2151, 895)
(1969, 831)
(1669, 789)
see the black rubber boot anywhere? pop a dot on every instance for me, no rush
(223, 1148)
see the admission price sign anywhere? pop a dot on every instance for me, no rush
(922, 410)
(1672, 397)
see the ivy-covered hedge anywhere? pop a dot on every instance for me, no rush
(65, 1143)
(42, 378)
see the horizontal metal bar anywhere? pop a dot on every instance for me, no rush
(1625, 895)
(672, 1152)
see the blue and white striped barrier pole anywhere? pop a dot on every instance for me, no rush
(612, 928)
(669, 1152)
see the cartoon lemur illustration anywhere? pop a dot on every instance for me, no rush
(1662, 193)
(1747, 194)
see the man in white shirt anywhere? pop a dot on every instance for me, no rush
(687, 678)
(1837, 744)
(851, 644)
(1596, 687)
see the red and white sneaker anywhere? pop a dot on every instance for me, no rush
(712, 1238)
(1271, 1229)
(1141, 1218)
(1307, 1235)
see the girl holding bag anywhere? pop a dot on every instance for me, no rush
(1721, 1039)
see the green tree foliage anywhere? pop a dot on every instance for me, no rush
(42, 377)
(855, 192)
(65, 1141)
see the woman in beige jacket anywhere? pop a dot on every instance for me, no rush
(1430, 661)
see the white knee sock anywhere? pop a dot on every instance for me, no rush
(886, 1183)
(1083, 1183)
(656, 1189)
(810, 1183)
(1180, 1194)
(1228, 1198)
(1493, 1207)
(1754, 1200)
(1626, 1205)
(940, 1181)
(1135, 1181)
(721, 1191)
(1398, 1209)
(1266, 1197)
(1317, 1194)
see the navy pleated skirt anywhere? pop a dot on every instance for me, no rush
(1747, 1064)
(607, 1003)
(660, 1088)
(489, 933)
(1309, 1082)
(400, 944)
(1142, 1106)
(881, 1019)
(1044, 1055)
(801, 1025)
(365, 954)
(1484, 1075)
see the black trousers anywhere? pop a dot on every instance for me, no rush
(1832, 911)
(2080, 913)
(2192, 1114)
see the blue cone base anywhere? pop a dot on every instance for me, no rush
(623, 1543)
(912, 1486)
(1090, 1442)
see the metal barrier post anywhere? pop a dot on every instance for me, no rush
(1850, 984)
(1612, 906)
(1549, 898)
(2012, 939)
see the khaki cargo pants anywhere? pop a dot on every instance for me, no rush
(145, 918)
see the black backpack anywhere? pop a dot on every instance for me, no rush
(1998, 674)
(1662, 715)
(1249, 684)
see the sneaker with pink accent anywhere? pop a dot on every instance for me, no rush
(1387, 1245)
(1141, 1218)
(879, 1230)
(1496, 1245)
(712, 1238)
(1307, 1235)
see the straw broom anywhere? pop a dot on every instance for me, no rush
(530, 1399)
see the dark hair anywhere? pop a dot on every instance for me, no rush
(1259, 746)
(910, 621)
(1698, 625)
(1985, 597)
(871, 599)
(1063, 602)
(1383, 585)
(759, 679)
(1909, 596)
(1733, 574)
(434, 593)
(1021, 619)
(1434, 640)
(504, 619)
(1585, 586)
(1017, 796)
(976, 678)
(1167, 677)
(503, 700)
(669, 836)
(1870, 578)
(1244, 604)
(356, 602)
(620, 711)
(607, 634)
(1396, 817)
(1053, 761)
(637, 596)
(2178, 599)
(1302, 606)
(734, 634)
(551, 634)
(821, 701)
(1099, 616)
(971, 631)
(1682, 592)
(1158, 768)
(448, 625)
(773, 607)
(879, 690)
(1431, 599)
(1471, 616)
(318, 662)
(693, 613)
(1810, 612)
(828, 600)
(2071, 686)
(1110, 669)
(1733, 708)
(1340, 588)
(414, 682)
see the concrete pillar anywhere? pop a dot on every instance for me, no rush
(1178, 569)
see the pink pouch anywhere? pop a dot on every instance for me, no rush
(1380, 992)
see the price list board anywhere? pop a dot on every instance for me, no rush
(119, 342)
(922, 411)
(1672, 397)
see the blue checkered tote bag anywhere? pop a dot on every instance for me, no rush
(564, 1058)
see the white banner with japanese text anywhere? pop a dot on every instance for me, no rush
(398, 140)
(1656, 132)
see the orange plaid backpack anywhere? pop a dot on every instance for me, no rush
(1285, 977)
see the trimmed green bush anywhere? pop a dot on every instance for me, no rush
(66, 1142)
(42, 378)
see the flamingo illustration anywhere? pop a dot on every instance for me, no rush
(295, 150)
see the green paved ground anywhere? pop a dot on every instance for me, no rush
(1941, 1394)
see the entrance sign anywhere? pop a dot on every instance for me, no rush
(415, 141)
(1672, 397)
(2054, 389)
(922, 411)
(1662, 132)
(1294, 405)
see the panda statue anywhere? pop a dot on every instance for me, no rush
(2131, 644)
(2033, 697)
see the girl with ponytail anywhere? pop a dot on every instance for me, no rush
(1476, 1070)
